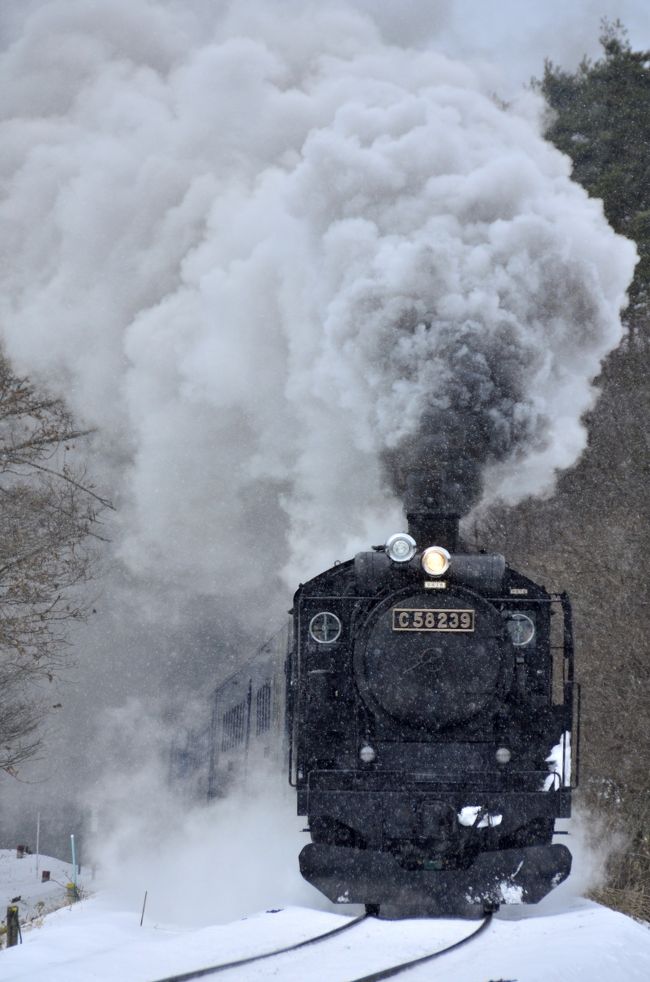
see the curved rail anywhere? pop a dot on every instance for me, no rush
(213, 969)
(388, 973)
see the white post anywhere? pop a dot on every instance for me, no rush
(38, 840)
(74, 862)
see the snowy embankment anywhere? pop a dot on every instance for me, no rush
(93, 940)
(21, 882)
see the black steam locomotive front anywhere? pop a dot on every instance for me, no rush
(430, 706)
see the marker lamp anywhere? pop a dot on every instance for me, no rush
(400, 547)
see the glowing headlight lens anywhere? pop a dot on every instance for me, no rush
(503, 755)
(401, 547)
(435, 561)
(367, 754)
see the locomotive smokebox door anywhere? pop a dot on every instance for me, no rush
(433, 661)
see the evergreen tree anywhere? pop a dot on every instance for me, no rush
(601, 119)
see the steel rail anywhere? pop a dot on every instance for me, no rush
(388, 973)
(223, 966)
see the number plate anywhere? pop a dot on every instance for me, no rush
(405, 619)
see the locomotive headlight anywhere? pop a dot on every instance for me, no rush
(435, 561)
(367, 754)
(400, 547)
(503, 755)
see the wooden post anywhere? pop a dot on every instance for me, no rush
(13, 926)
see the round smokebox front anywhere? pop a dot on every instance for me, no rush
(433, 660)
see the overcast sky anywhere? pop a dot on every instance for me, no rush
(516, 35)
(519, 34)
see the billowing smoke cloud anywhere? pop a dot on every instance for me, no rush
(292, 268)
(147, 836)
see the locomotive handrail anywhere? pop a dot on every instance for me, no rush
(578, 732)
(568, 635)
(289, 720)
(520, 782)
(295, 694)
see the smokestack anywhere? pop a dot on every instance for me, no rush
(439, 480)
(437, 474)
(431, 528)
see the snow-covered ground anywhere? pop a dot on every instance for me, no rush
(95, 940)
(22, 878)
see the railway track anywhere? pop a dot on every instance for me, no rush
(386, 973)
(201, 973)
(389, 973)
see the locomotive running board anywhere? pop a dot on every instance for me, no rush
(363, 876)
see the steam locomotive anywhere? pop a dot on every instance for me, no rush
(423, 701)
(430, 705)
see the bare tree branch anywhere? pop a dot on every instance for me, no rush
(48, 520)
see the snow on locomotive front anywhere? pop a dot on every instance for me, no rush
(430, 706)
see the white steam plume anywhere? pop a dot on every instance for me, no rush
(267, 249)
(199, 864)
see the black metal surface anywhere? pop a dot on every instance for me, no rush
(377, 816)
(431, 528)
(371, 877)
(432, 707)
(433, 678)
(462, 782)
(375, 571)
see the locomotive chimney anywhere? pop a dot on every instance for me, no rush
(434, 528)
(434, 506)
(438, 478)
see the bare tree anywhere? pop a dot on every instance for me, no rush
(48, 520)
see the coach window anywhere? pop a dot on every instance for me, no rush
(232, 731)
(263, 709)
